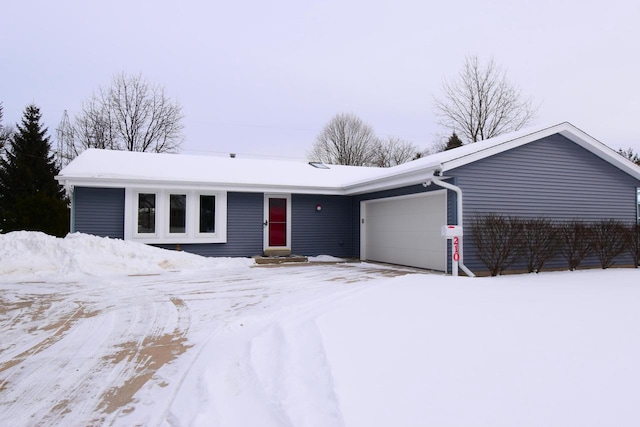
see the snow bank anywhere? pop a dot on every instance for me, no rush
(38, 255)
(325, 258)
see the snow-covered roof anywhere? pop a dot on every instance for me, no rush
(122, 168)
(99, 167)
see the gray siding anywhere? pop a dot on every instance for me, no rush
(244, 229)
(327, 232)
(551, 178)
(99, 211)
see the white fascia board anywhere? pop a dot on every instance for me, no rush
(105, 182)
(603, 151)
(388, 182)
(501, 147)
(565, 129)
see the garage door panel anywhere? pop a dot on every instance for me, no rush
(407, 230)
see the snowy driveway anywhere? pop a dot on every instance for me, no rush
(117, 349)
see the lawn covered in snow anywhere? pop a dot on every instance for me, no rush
(97, 331)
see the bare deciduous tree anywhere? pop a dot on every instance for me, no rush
(482, 103)
(345, 140)
(129, 115)
(5, 131)
(393, 151)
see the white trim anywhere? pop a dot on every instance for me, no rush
(188, 223)
(638, 205)
(162, 234)
(363, 216)
(265, 235)
(363, 229)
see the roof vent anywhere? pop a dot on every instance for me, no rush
(232, 155)
(319, 165)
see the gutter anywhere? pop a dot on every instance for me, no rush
(435, 180)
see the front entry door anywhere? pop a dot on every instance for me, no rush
(277, 225)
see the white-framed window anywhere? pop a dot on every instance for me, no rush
(207, 215)
(146, 214)
(175, 216)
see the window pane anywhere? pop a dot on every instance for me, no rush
(177, 213)
(277, 210)
(277, 234)
(146, 213)
(207, 214)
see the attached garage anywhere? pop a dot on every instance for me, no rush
(405, 230)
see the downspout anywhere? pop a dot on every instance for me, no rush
(458, 191)
(68, 188)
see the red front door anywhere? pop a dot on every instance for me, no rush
(277, 222)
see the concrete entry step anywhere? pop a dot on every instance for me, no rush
(279, 259)
(276, 252)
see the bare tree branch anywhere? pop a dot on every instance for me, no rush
(393, 151)
(345, 140)
(482, 103)
(129, 115)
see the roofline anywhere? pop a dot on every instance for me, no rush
(565, 129)
(389, 180)
(394, 177)
(415, 175)
(191, 185)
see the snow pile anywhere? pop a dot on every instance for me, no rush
(38, 255)
(325, 258)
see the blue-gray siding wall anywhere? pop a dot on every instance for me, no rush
(245, 212)
(312, 233)
(324, 232)
(99, 211)
(551, 178)
(404, 191)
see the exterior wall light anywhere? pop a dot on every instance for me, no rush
(318, 208)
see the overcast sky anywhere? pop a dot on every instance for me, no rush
(264, 77)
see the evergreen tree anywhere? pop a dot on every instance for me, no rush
(30, 197)
(629, 154)
(453, 142)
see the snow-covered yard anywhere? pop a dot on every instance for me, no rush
(96, 331)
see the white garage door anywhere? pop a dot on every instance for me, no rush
(406, 230)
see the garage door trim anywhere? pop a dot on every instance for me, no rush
(364, 222)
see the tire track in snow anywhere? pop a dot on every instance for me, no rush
(296, 376)
(60, 328)
(105, 365)
(147, 357)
